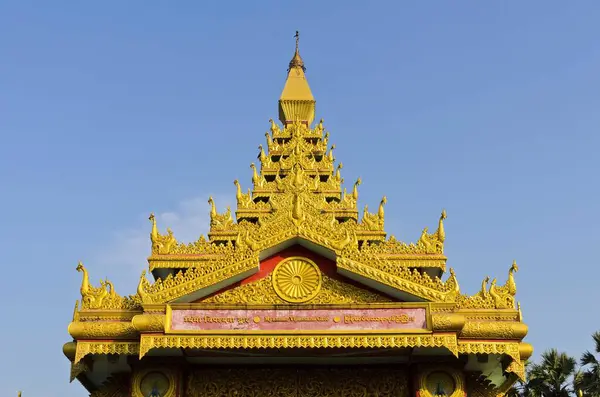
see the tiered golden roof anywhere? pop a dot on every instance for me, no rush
(297, 198)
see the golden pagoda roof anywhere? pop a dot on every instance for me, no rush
(297, 201)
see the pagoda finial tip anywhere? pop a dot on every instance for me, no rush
(297, 61)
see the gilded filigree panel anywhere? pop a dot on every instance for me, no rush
(262, 292)
(308, 382)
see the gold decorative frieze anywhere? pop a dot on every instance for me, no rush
(510, 349)
(105, 347)
(102, 330)
(149, 342)
(262, 292)
(329, 381)
(494, 330)
(404, 279)
(192, 280)
(447, 322)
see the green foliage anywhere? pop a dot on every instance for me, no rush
(588, 379)
(557, 375)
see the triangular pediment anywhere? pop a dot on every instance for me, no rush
(296, 275)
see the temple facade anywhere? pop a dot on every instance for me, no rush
(297, 293)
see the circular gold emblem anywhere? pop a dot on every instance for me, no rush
(297, 279)
(440, 383)
(154, 384)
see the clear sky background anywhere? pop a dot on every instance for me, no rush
(112, 109)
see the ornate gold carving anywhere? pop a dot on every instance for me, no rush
(102, 330)
(108, 315)
(105, 296)
(405, 279)
(497, 297)
(161, 244)
(149, 342)
(494, 330)
(297, 195)
(152, 381)
(219, 222)
(106, 347)
(447, 322)
(262, 292)
(297, 279)
(298, 203)
(330, 381)
(511, 349)
(434, 243)
(149, 322)
(192, 280)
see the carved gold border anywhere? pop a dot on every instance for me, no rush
(510, 349)
(386, 332)
(136, 390)
(150, 342)
(107, 347)
(186, 287)
(459, 382)
(390, 280)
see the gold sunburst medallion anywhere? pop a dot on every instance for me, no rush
(297, 280)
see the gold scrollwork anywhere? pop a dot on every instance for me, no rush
(447, 322)
(494, 330)
(149, 342)
(102, 330)
(105, 347)
(330, 381)
(511, 349)
(262, 292)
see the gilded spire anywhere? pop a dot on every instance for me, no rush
(297, 61)
(296, 101)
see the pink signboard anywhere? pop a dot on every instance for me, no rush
(342, 320)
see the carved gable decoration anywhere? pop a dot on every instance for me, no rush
(297, 276)
(263, 292)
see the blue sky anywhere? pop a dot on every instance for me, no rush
(110, 110)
